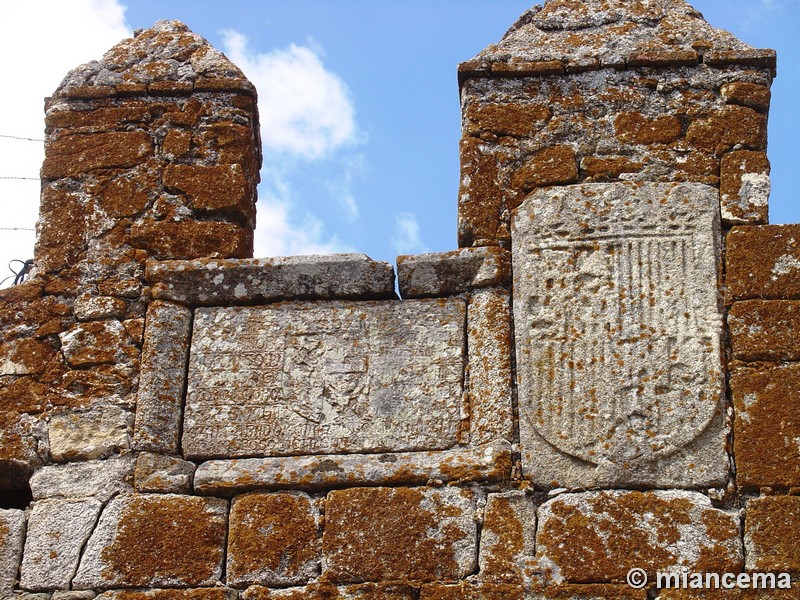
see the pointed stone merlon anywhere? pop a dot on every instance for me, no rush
(597, 91)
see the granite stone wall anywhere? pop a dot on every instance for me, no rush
(602, 377)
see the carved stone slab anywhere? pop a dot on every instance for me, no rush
(324, 378)
(618, 332)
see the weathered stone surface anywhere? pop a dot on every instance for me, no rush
(155, 541)
(12, 538)
(765, 330)
(451, 273)
(252, 281)
(25, 356)
(504, 591)
(745, 187)
(209, 593)
(747, 94)
(221, 187)
(633, 128)
(94, 308)
(163, 376)
(596, 537)
(327, 591)
(97, 343)
(183, 240)
(771, 527)
(379, 534)
(472, 591)
(763, 588)
(100, 479)
(57, 531)
(763, 262)
(490, 372)
(229, 477)
(273, 540)
(618, 336)
(163, 474)
(551, 166)
(612, 33)
(767, 426)
(480, 195)
(87, 435)
(507, 539)
(308, 378)
(79, 595)
(73, 155)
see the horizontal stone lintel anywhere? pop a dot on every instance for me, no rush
(226, 282)
(159, 88)
(226, 478)
(450, 273)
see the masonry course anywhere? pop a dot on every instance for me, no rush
(602, 376)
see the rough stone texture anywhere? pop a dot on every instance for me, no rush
(618, 336)
(89, 435)
(306, 378)
(97, 343)
(57, 531)
(500, 591)
(765, 330)
(184, 240)
(763, 262)
(229, 282)
(215, 593)
(507, 539)
(229, 477)
(100, 479)
(95, 308)
(767, 426)
(766, 592)
(81, 595)
(155, 541)
(379, 534)
(490, 372)
(450, 273)
(472, 591)
(163, 474)
(273, 540)
(12, 539)
(771, 527)
(163, 376)
(326, 591)
(745, 187)
(596, 537)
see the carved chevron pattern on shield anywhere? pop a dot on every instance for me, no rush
(617, 319)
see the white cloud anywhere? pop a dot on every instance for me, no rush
(305, 109)
(407, 239)
(40, 41)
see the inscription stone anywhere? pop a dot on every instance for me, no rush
(618, 334)
(333, 377)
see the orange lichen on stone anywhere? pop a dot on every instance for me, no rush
(747, 94)
(507, 538)
(505, 119)
(375, 534)
(635, 128)
(729, 127)
(221, 187)
(327, 591)
(215, 593)
(552, 166)
(74, 155)
(472, 591)
(765, 330)
(165, 240)
(480, 196)
(606, 168)
(763, 262)
(272, 540)
(772, 527)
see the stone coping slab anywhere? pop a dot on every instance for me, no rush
(225, 282)
(230, 477)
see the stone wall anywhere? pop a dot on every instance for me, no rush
(603, 376)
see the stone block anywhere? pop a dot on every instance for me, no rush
(157, 540)
(97, 343)
(505, 591)
(727, 128)
(747, 94)
(490, 372)
(273, 540)
(73, 155)
(163, 377)
(25, 356)
(505, 119)
(229, 477)
(507, 549)
(379, 534)
(94, 308)
(327, 591)
(768, 590)
(635, 128)
(57, 531)
(12, 539)
(95, 433)
(765, 330)
(767, 427)
(619, 336)
(215, 188)
(80, 595)
(208, 593)
(325, 378)
(451, 273)
(557, 165)
(763, 263)
(163, 474)
(472, 591)
(182, 240)
(262, 280)
(745, 187)
(100, 479)
(480, 195)
(771, 530)
(596, 537)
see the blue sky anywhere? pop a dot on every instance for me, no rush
(361, 136)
